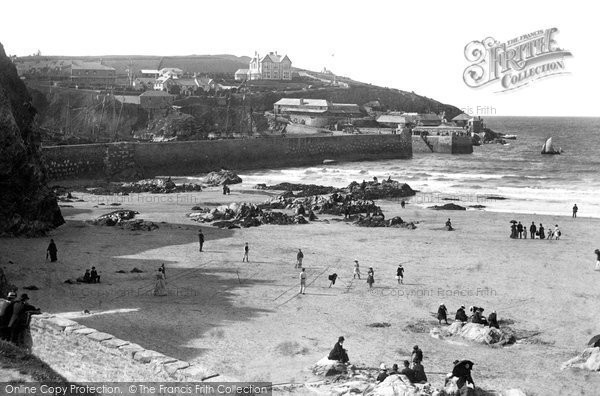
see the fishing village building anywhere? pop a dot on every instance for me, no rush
(315, 112)
(92, 73)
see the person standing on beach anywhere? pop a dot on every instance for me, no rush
(597, 268)
(370, 277)
(302, 281)
(400, 274)
(442, 313)
(520, 230)
(160, 288)
(299, 258)
(556, 232)
(356, 270)
(52, 251)
(532, 230)
(246, 250)
(201, 239)
(575, 209)
(541, 231)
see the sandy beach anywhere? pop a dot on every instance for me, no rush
(247, 320)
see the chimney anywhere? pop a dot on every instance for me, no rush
(271, 53)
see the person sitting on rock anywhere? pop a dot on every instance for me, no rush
(493, 320)
(475, 315)
(394, 370)
(482, 318)
(449, 225)
(408, 372)
(94, 277)
(442, 313)
(338, 352)
(383, 374)
(461, 315)
(419, 373)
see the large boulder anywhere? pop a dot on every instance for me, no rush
(399, 385)
(589, 359)
(27, 205)
(326, 367)
(479, 333)
(222, 177)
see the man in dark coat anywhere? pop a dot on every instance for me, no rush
(410, 373)
(532, 230)
(94, 277)
(520, 230)
(462, 370)
(461, 314)
(6, 311)
(417, 354)
(200, 239)
(493, 320)
(338, 352)
(19, 322)
(442, 313)
(542, 231)
(52, 251)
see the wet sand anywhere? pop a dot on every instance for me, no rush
(247, 321)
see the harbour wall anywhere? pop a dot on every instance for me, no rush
(454, 144)
(115, 161)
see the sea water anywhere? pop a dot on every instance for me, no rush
(530, 182)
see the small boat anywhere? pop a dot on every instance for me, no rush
(548, 148)
(510, 137)
(329, 162)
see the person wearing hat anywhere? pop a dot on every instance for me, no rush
(19, 322)
(371, 277)
(400, 273)
(442, 313)
(383, 374)
(493, 320)
(338, 352)
(6, 310)
(299, 258)
(356, 270)
(461, 315)
(417, 354)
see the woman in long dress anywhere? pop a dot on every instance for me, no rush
(371, 277)
(160, 288)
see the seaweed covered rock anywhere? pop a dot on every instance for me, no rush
(27, 205)
(154, 186)
(448, 206)
(222, 177)
(374, 190)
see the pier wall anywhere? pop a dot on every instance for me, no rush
(455, 144)
(105, 161)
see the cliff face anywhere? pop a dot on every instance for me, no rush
(27, 205)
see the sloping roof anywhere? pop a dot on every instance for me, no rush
(429, 117)
(171, 69)
(462, 117)
(128, 99)
(391, 119)
(186, 82)
(305, 102)
(149, 71)
(275, 58)
(155, 93)
(242, 71)
(345, 108)
(78, 65)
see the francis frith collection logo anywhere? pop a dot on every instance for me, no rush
(514, 63)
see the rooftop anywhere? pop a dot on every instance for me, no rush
(155, 93)
(302, 102)
(78, 65)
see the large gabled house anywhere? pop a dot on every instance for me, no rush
(269, 67)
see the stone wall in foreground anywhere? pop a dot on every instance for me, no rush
(114, 160)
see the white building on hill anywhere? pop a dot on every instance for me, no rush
(270, 67)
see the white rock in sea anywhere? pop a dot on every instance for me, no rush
(589, 359)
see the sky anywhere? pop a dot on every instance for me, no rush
(413, 46)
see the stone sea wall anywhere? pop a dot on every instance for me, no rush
(106, 161)
(443, 144)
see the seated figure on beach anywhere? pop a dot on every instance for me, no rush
(493, 320)
(338, 352)
(449, 225)
(86, 278)
(461, 315)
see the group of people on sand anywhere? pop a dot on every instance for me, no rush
(519, 231)
(476, 316)
(15, 316)
(90, 276)
(413, 369)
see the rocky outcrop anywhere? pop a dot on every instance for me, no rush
(154, 186)
(475, 332)
(448, 206)
(589, 359)
(27, 205)
(222, 177)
